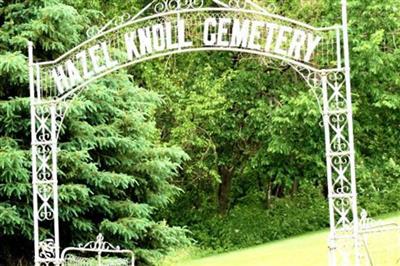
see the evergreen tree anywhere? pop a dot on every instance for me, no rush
(114, 172)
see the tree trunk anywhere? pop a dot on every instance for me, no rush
(268, 192)
(224, 189)
(295, 187)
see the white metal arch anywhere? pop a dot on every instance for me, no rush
(331, 48)
(328, 73)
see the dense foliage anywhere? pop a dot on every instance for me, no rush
(253, 133)
(250, 127)
(114, 172)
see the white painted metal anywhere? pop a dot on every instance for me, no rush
(330, 84)
(124, 24)
(54, 149)
(76, 90)
(386, 231)
(99, 247)
(34, 151)
(332, 220)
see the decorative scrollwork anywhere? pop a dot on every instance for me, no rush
(340, 166)
(238, 3)
(338, 123)
(92, 31)
(96, 30)
(44, 136)
(43, 154)
(99, 244)
(61, 110)
(272, 8)
(336, 77)
(341, 162)
(336, 84)
(46, 212)
(342, 204)
(44, 175)
(47, 249)
(339, 119)
(45, 193)
(43, 127)
(342, 146)
(368, 224)
(313, 80)
(342, 207)
(75, 260)
(97, 247)
(161, 6)
(365, 221)
(343, 189)
(43, 149)
(172, 5)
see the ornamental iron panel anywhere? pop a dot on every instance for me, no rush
(166, 27)
(98, 247)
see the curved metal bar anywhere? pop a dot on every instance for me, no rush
(312, 78)
(183, 11)
(122, 251)
(312, 82)
(99, 246)
(154, 56)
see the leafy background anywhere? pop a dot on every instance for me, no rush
(216, 149)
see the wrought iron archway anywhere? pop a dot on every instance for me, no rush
(319, 55)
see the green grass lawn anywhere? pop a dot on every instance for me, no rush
(306, 250)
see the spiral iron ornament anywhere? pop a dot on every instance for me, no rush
(238, 4)
(173, 5)
(47, 249)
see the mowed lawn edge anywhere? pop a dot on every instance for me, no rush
(306, 250)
